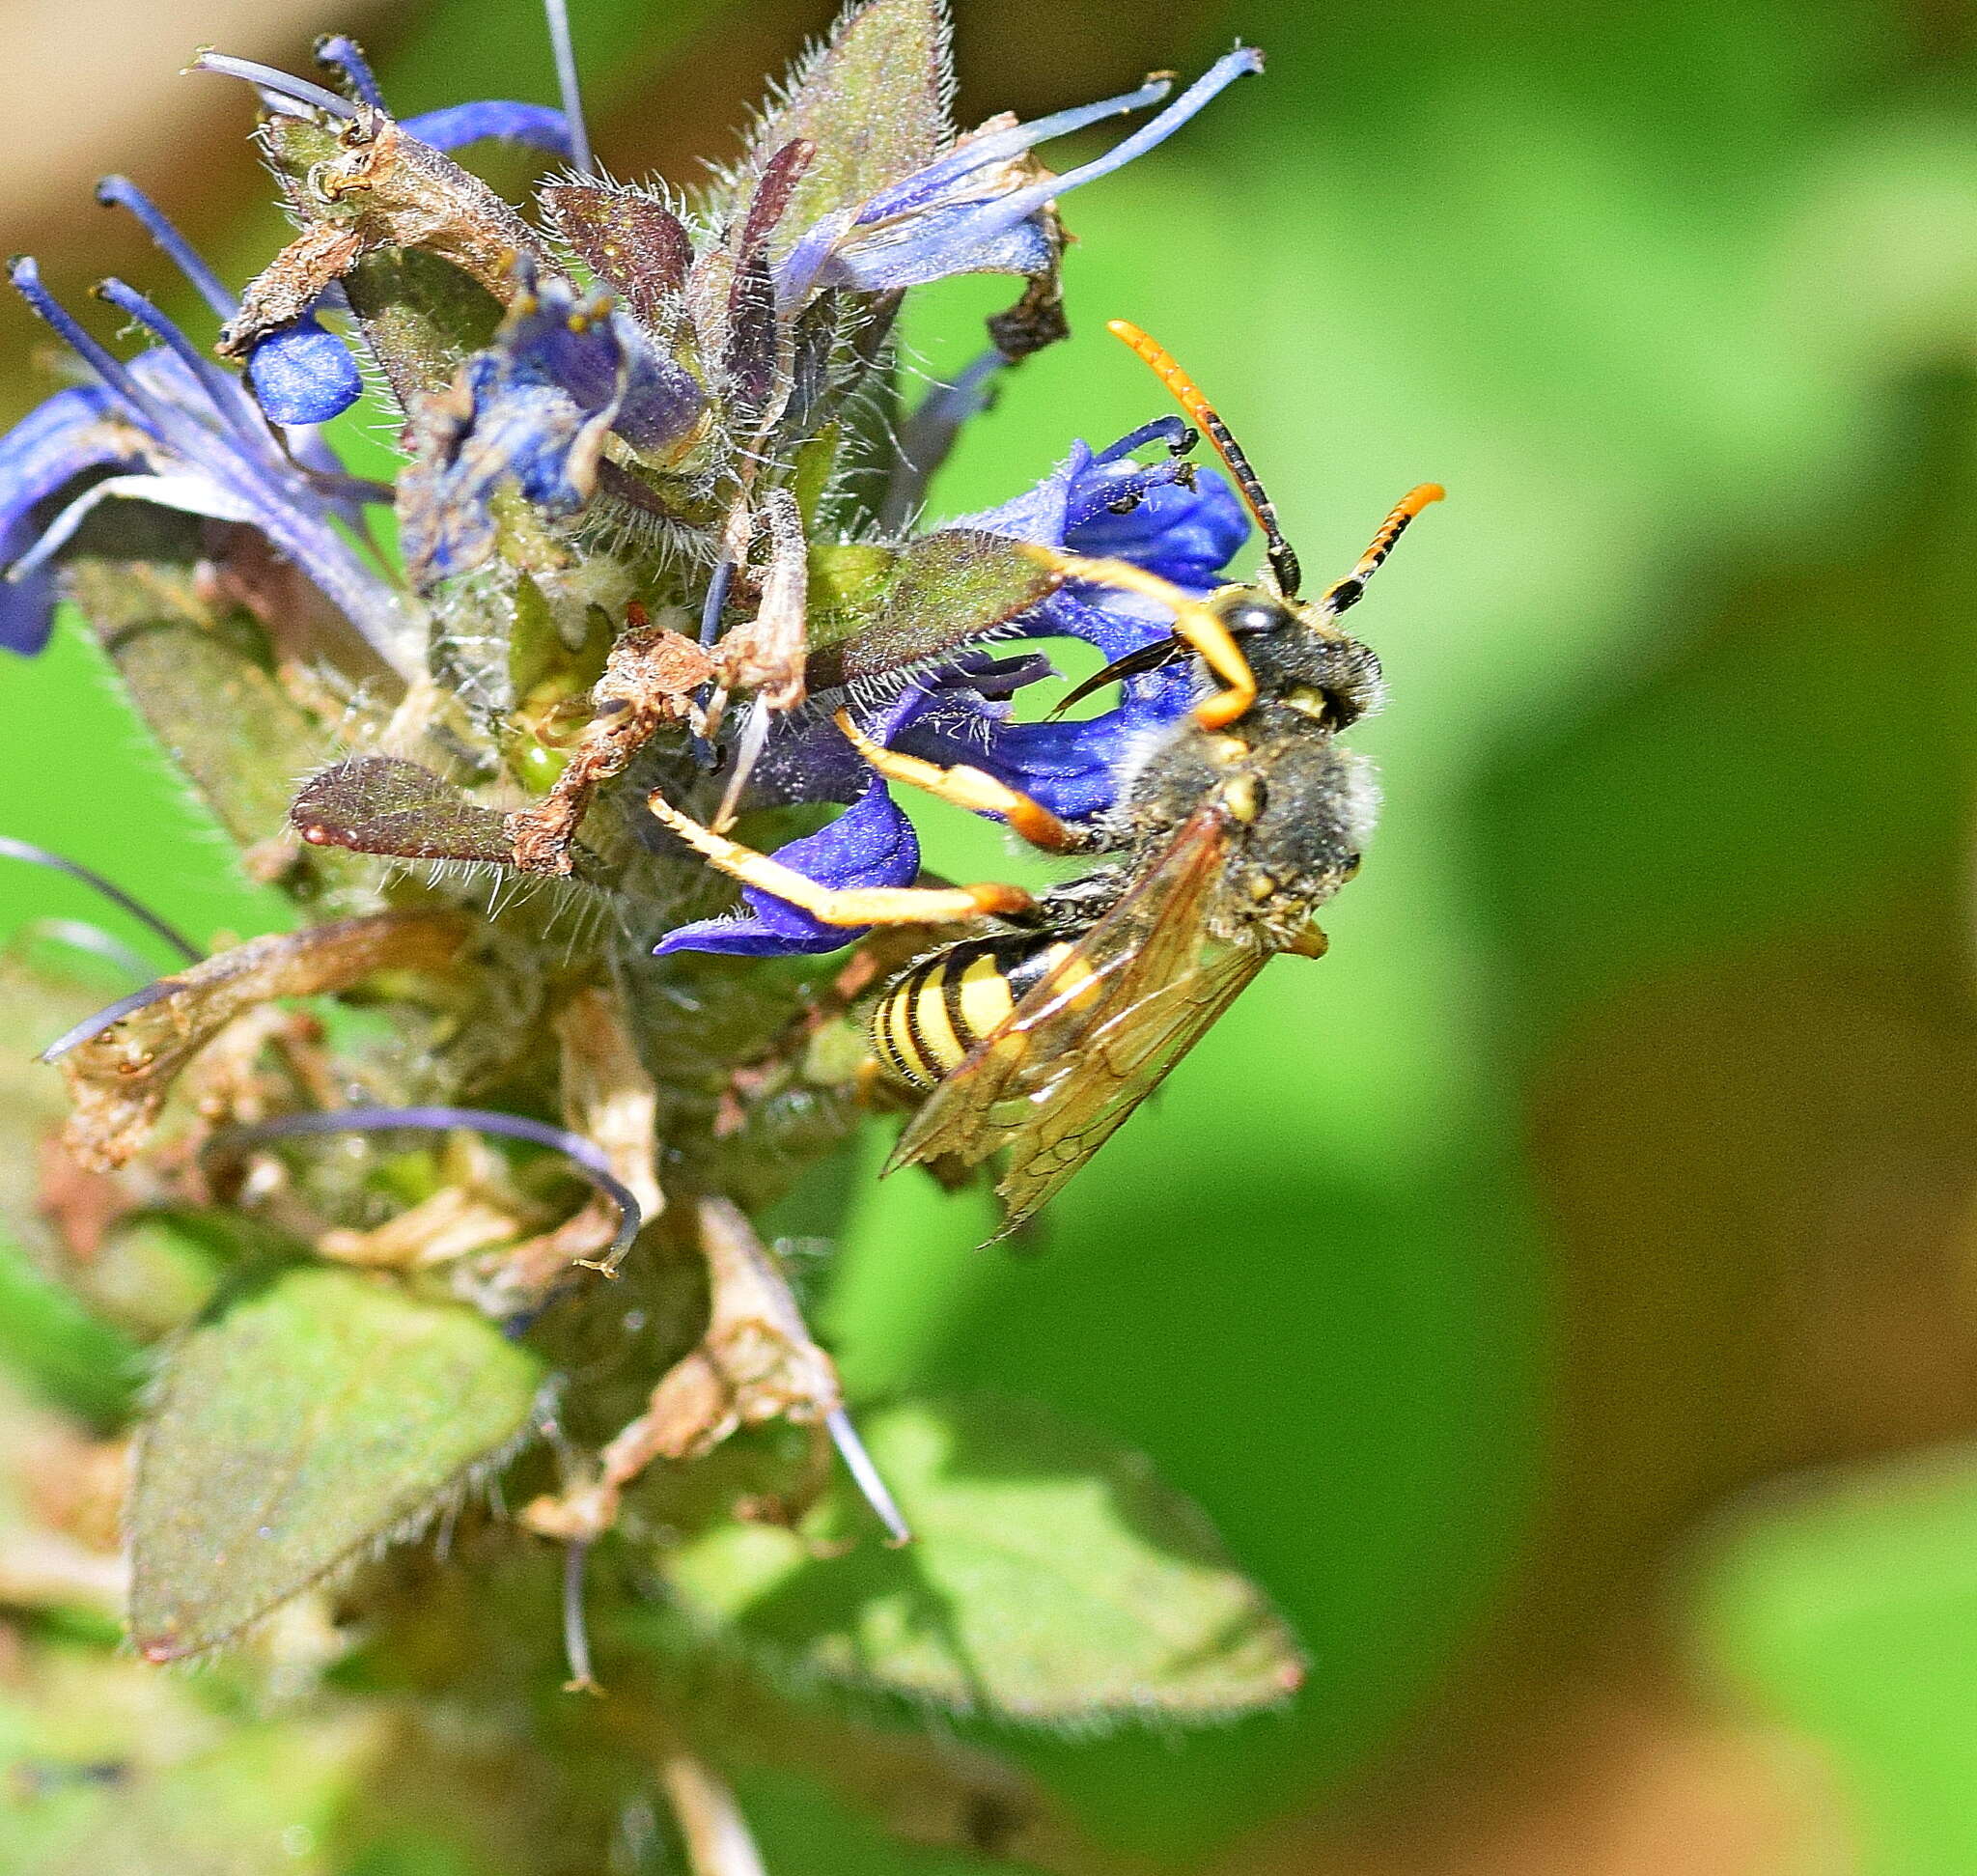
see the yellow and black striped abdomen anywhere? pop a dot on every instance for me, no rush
(928, 1017)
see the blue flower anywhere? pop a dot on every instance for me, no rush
(302, 375)
(305, 374)
(565, 370)
(983, 206)
(871, 844)
(176, 430)
(1180, 522)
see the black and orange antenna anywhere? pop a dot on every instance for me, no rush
(1285, 574)
(1348, 591)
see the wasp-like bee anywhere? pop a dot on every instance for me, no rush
(1226, 837)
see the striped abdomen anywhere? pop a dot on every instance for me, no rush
(928, 1017)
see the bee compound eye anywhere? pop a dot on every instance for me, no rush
(1255, 615)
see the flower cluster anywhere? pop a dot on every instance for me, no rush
(655, 360)
(656, 536)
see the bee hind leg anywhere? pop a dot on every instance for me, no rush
(841, 904)
(969, 788)
(1194, 622)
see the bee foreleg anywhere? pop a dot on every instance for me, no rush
(842, 904)
(969, 788)
(1194, 622)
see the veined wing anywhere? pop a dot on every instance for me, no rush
(1067, 1066)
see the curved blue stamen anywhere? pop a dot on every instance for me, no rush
(25, 849)
(121, 192)
(338, 52)
(276, 86)
(585, 1155)
(224, 389)
(25, 274)
(1169, 431)
(977, 152)
(1024, 203)
(540, 127)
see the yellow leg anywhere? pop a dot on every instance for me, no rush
(842, 906)
(967, 787)
(1192, 620)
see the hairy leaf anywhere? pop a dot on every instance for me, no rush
(1052, 1578)
(199, 673)
(383, 805)
(636, 246)
(875, 105)
(943, 590)
(421, 315)
(323, 1415)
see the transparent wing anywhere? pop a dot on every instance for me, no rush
(1061, 1073)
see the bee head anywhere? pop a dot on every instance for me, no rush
(1302, 662)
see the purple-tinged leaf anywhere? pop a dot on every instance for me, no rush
(383, 805)
(636, 246)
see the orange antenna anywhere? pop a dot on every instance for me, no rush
(1188, 394)
(1347, 591)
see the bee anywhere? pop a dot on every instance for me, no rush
(1038, 1040)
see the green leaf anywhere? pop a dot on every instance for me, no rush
(224, 720)
(321, 1416)
(872, 102)
(1052, 1578)
(114, 1767)
(942, 591)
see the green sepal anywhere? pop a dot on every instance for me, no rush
(873, 103)
(321, 1416)
(1051, 1579)
(941, 591)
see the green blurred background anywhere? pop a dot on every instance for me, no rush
(1562, 1295)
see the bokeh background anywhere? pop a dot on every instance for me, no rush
(1561, 1297)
